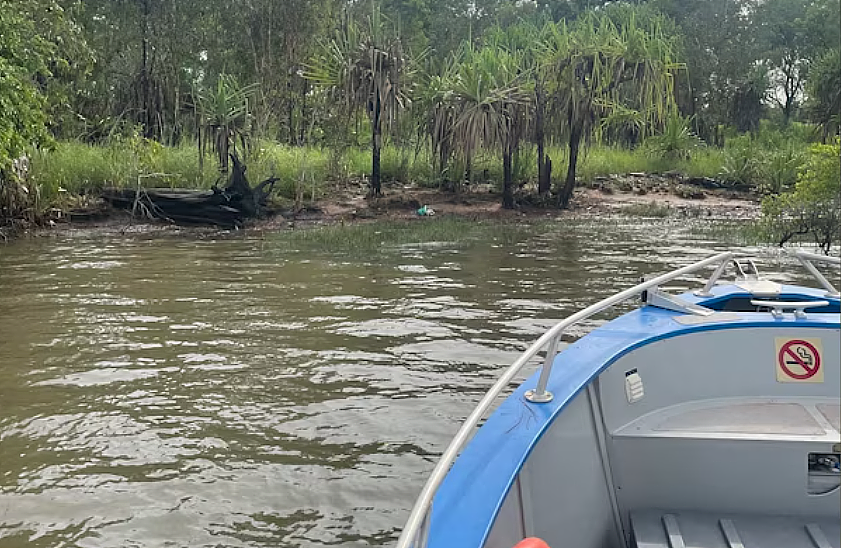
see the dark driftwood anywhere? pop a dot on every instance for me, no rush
(228, 207)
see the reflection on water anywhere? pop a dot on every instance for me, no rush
(238, 392)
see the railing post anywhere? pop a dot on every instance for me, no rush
(830, 289)
(540, 394)
(705, 291)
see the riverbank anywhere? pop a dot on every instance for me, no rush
(634, 195)
(319, 185)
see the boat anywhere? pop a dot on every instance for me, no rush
(707, 419)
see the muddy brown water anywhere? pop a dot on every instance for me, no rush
(245, 391)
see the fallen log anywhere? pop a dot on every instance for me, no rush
(228, 207)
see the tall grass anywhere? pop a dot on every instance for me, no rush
(650, 209)
(306, 173)
(77, 168)
(381, 235)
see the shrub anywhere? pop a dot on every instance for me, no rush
(813, 207)
(778, 170)
(741, 166)
(677, 142)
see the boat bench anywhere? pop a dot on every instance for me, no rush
(772, 456)
(666, 529)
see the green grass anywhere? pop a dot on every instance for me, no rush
(768, 161)
(306, 173)
(77, 168)
(650, 209)
(611, 160)
(83, 168)
(379, 235)
(743, 233)
(598, 161)
(383, 234)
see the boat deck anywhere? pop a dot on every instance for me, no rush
(659, 529)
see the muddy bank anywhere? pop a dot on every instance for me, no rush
(637, 195)
(631, 195)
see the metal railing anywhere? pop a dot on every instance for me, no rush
(415, 533)
(806, 259)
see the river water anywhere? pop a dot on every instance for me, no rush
(267, 391)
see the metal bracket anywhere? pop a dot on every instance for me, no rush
(749, 279)
(760, 288)
(661, 299)
(539, 397)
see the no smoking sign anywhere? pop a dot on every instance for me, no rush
(799, 360)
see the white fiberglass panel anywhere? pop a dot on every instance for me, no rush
(716, 364)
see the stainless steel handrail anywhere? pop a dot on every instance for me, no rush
(415, 533)
(806, 259)
(817, 257)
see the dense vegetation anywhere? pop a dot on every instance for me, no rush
(441, 93)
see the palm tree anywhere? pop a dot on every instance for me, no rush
(223, 118)
(824, 93)
(603, 62)
(486, 106)
(365, 69)
(527, 38)
(437, 112)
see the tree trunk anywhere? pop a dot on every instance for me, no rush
(145, 92)
(303, 138)
(507, 177)
(228, 207)
(468, 174)
(376, 187)
(376, 145)
(223, 152)
(291, 116)
(575, 133)
(546, 177)
(290, 107)
(544, 165)
(788, 109)
(199, 132)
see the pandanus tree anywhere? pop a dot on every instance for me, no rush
(527, 38)
(602, 63)
(365, 68)
(824, 93)
(223, 116)
(485, 106)
(437, 115)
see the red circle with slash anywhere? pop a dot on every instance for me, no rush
(789, 357)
